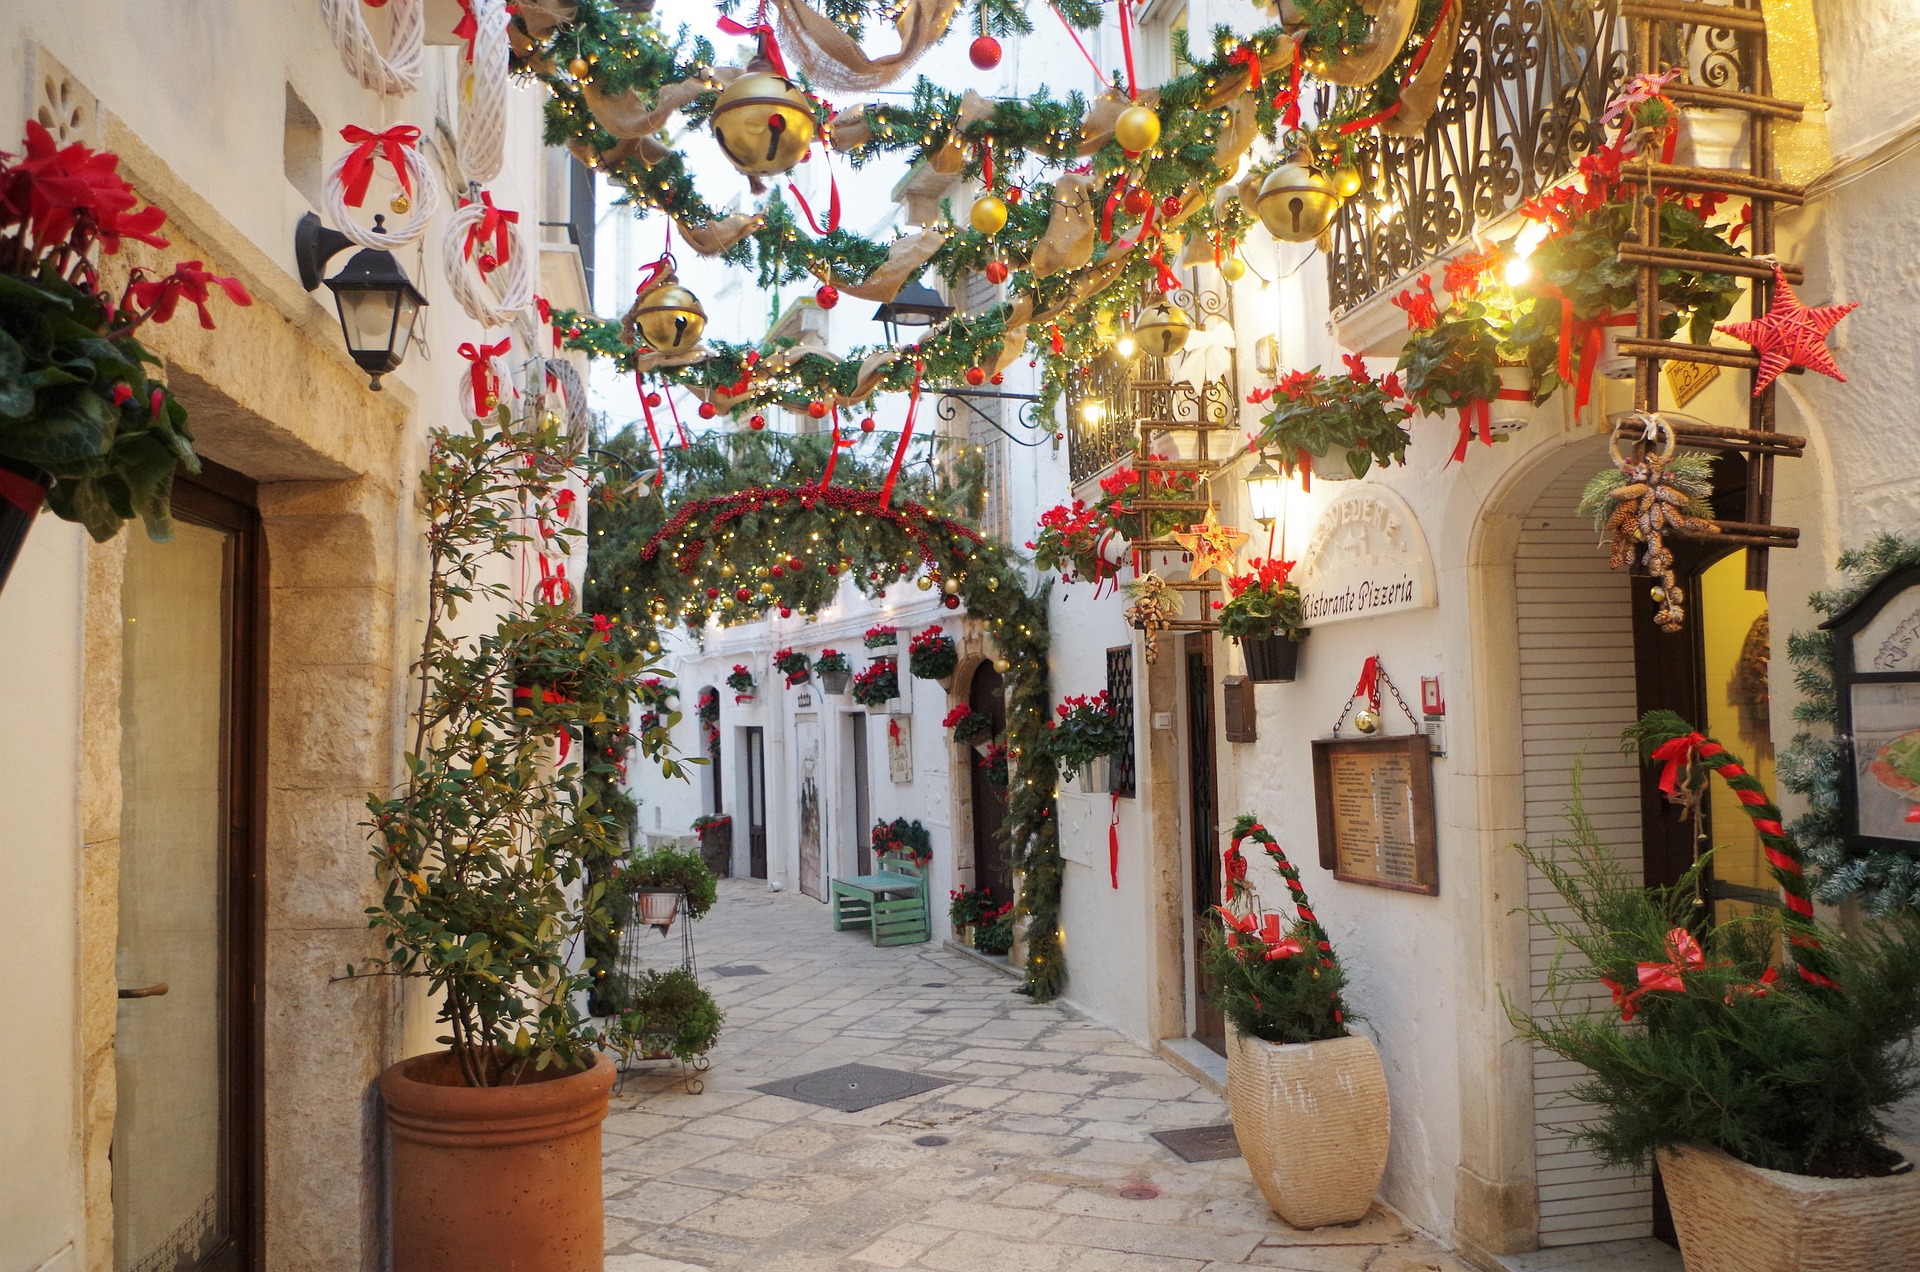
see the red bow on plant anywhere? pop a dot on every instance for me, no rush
(357, 173)
(1683, 954)
(493, 224)
(1678, 754)
(1263, 929)
(1247, 57)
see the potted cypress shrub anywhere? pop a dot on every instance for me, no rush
(84, 429)
(1308, 1097)
(834, 669)
(489, 856)
(661, 880)
(1754, 1060)
(1263, 613)
(716, 842)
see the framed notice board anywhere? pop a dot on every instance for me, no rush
(1374, 801)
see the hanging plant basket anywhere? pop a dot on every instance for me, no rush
(23, 488)
(1272, 659)
(1096, 776)
(1512, 409)
(834, 682)
(657, 907)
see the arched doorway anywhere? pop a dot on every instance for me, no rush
(992, 864)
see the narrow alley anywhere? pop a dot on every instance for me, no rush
(1035, 1155)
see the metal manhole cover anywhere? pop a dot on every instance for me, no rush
(932, 1141)
(852, 1087)
(1201, 1143)
(740, 969)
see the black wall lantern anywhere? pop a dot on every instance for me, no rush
(377, 302)
(916, 305)
(1876, 682)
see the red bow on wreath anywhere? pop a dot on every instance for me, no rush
(493, 225)
(357, 172)
(481, 377)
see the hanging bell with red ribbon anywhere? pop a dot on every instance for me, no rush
(764, 124)
(669, 316)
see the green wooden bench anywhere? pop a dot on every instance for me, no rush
(891, 902)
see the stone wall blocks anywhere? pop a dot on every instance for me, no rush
(331, 728)
(319, 873)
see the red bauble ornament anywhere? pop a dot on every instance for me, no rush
(984, 52)
(997, 272)
(757, 423)
(951, 602)
(976, 376)
(998, 378)
(653, 399)
(1170, 206)
(708, 410)
(1015, 194)
(776, 572)
(1137, 202)
(785, 612)
(795, 563)
(833, 569)
(713, 593)
(818, 410)
(866, 425)
(743, 594)
(827, 297)
(1790, 335)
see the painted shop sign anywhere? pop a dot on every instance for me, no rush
(1367, 557)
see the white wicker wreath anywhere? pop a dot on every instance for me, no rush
(476, 292)
(483, 101)
(393, 73)
(423, 202)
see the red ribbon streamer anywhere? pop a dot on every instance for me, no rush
(1078, 44)
(1168, 280)
(833, 203)
(653, 430)
(1413, 69)
(769, 46)
(1113, 844)
(1126, 46)
(23, 494)
(1287, 100)
(480, 375)
(1369, 686)
(833, 456)
(1475, 416)
(493, 225)
(468, 28)
(906, 435)
(986, 164)
(554, 587)
(357, 173)
(1106, 213)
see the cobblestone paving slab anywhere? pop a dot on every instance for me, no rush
(1047, 1120)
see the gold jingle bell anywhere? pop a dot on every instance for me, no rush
(1137, 129)
(670, 316)
(762, 122)
(1296, 203)
(1366, 720)
(1162, 328)
(989, 214)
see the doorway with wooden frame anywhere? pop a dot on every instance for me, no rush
(188, 1147)
(1203, 835)
(992, 864)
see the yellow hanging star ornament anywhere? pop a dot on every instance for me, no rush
(1213, 546)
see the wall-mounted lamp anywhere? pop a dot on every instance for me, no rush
(377, 302)
(1266, 492)
(916, 305)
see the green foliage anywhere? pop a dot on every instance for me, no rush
(903, 838)
(832, 662)
(1744, 1057)
(931, 654)
(877, 684)
(668, 1013)
(1453, 363)
(1281, 986)
(1315, 414)
(1692, 473)
(995, 935)
(1086, 728)
(669, 868)
(1263, 602)
(482, 848)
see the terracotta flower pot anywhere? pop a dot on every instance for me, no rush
(658, 906)
(1732, 1217)
(496, 1177)
(1311, 1120)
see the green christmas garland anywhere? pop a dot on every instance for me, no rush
(1814, 766)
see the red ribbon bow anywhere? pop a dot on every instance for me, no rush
(468, 28)
(1245, 56)
(481, 375)
(1677, 754)
(493, 225)
(1683, 954)
(1369, 686)
(1474, 416)
(357, 173)
(554, 587)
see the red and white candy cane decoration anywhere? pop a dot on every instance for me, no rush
(1247, 826)
(352, 174)
(394, 72)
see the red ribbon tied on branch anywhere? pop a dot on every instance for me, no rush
(1369, 686)
(392, 145)
(1247, 57)
(1474, 416)
(833, 456)
(1262, 928)
(493, 224)
(1683, 955)
(481, 376)
(1676, 755)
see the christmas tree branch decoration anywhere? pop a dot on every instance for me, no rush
(1645, 497)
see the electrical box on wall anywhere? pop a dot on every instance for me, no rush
(1433, 714)
(1237, 714)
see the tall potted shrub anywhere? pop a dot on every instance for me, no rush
(1262, 612)
(487, 856)
(84, 429)
(1307, 1097)
(1754, 1060)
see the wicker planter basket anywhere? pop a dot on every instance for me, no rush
(1312, 1123)
(1732, 1217)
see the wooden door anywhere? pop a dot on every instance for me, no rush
(753, 751)
(992, 864)
(1203, 833)
(187, 1146)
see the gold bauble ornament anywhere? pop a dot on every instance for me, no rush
(578, 68)
(989, 214)
(1296, 203)
(401, 204)
(1137, 129)
(653, 646)
(763, 123)
(670, 316)
(1162, 328)
(1366, 720)
(1233, 269)
(1002, 666)
(1346, 182)
(924, 583)
(951, 587)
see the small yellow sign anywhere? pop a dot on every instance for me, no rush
(1688, 379)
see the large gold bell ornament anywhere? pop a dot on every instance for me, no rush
(763, 123)
(1296, 203)
(670, 316)
(1162, 328)
(989, 214)
(1136, 130)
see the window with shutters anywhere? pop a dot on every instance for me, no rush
(1120, 696)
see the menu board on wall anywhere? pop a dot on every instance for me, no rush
(1374, 801)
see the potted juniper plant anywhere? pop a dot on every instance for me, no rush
(662, 880)
(84, 428)
(1262, 612)
(1085, 732)
(834, 669)
(1336, 426)
(487, 856)
(1307, 1096)
(1754, 1059)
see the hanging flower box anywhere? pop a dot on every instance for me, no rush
(932, 655)
(969, 727)
(878, 683)
(1460, 360)
(993, 763)
(834, 670)
(881, 637)
(1336, 426)
(794, 665)
(1262, 612)
(740, 680)
(1086, 728)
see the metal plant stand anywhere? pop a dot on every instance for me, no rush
(629, 964)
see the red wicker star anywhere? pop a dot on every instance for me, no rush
(1790, 335)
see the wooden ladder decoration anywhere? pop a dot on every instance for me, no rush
(1153, 413)
(1759, 186)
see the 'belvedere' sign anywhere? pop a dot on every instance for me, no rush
(1367, 557)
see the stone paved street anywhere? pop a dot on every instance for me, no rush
(1048, 1165)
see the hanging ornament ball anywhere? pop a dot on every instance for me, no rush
(402, 205)
(763, 123)
(818, 410)
(1015, 194)
(997, 378)
(951, 587)
(833, 569)
(708, 410)
(1346, 182)
(923, 583)
(578, 68)
(1296, 203)
(1137, 129)
(1659, 594)
(670, 316)
(1137, 201)
(743, 594)
(1233, 269)
(1002, 666)
(1162, 328)
(989, 214)
(984, 53)
(757, 423)
(785, 612)
(777, 571)
(1171, 205)
(653, 646)
(866, 425)
(951, 602)
(795, 563)
(653, 399)
(997, 272)
(1366, 720)
(976, 376)
(713, 593)
(827, 297)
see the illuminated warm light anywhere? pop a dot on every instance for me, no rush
(1519, 273)
(1529, 238)
(1093, 410)
(1125, 346)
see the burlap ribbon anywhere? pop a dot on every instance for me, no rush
(1068, 240)
(649, 362)
(952, 157)
(630, 114)
(717, 236)
(1422, 93)
(872, 369)
(1096, 130)
(543, 17)
(905, 260)
(1365, 62)
(834, 60)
